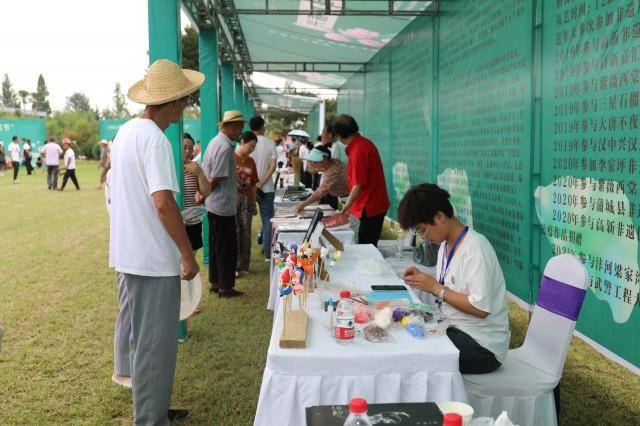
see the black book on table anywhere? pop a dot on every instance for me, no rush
(412, 413)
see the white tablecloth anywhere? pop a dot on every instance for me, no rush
(346, 236)
(324, 373)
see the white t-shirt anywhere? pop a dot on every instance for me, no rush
(14, 151)
(263, 154)
(26, 147)
(475, 271)
(303, 153)
(51, 151)
(141, 164)
(70, 158)
(281, 155)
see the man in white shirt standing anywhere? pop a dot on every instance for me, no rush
(15, 153)
(148, 238)
(69, 160)
(51, 151)
(265, 156)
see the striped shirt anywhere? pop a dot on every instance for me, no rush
(190, 189)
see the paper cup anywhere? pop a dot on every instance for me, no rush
(465, 411)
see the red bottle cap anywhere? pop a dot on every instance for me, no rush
(452, 419)
(358, 405)
(345, 294)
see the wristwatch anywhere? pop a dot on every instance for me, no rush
(441, 294)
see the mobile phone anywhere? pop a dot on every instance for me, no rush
(388, 287)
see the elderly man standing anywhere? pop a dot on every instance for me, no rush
(148, 238)
(219, 166)
(51, 151)
(368, 199)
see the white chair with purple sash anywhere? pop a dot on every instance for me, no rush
(523, 386)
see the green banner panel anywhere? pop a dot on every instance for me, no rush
(109, 127)
(32, 129)
(377, 113)
(411, 108)
(485, 67)
(588, 204)
(192, 126)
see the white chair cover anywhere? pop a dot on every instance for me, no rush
(523, 385)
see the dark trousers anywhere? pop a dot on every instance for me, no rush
(27, 164)
(265, 204)
(331, 200)
(370, 229)
(69, 174)
(16, 169)
(474, 359)
(52, 177)
(306, 178)
(316, 177)
(223, 250)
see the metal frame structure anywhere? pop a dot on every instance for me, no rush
(225, 17)
(328, 8)
(330, 67)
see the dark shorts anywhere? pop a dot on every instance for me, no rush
(194, 232)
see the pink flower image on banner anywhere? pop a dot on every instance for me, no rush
(371, 43)
(337, 37)
(360, 33)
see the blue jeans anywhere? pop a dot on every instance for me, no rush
(265, 203)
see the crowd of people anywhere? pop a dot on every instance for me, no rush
(19, 153)
(152, 246)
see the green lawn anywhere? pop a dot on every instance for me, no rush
(58, 303)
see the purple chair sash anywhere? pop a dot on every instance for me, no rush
(560, 298)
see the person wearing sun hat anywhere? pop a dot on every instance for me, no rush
(219, 166)
(148, 240)
(334, 178)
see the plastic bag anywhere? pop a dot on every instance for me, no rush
(374, 334)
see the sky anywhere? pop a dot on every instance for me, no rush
(79, 46)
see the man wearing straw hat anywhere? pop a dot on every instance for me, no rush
(219, 166)
(148, 238)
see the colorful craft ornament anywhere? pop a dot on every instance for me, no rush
(298, 289)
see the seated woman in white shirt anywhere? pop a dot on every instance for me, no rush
(469, 287)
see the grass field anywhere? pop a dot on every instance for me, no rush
(58, 303)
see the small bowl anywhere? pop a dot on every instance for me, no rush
(465, 410)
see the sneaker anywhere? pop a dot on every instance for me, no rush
(122, 381)
(267, 259)
(241, 273)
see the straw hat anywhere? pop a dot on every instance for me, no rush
(104, 142)
(165, 82)
(66, 141)
(232, 116)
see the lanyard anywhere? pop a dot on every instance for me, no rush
(443, 269)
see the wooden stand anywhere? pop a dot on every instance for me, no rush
(294, 330)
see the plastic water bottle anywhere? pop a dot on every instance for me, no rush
(358, 413)
(344, 325)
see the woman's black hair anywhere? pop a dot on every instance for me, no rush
(188, 136)
(248, 137)
(422, 203)
(324, 149)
